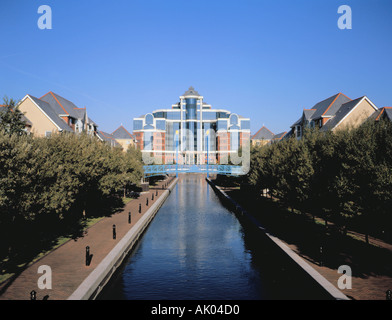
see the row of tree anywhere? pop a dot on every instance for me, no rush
(48, 186)
(343, 176)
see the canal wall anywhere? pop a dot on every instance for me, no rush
(90, 288)
(291, 256)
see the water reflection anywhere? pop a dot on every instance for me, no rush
(195, 248)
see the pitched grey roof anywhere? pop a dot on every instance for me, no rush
(91, 121)
(107, 137)
(340, 114)
(80, 113)
(376, 114)
(329, 106)
(279, 135)
(121, 133)
(382, 113)
(263, 134)
(388, 113)
(191, 92)
(46, 108)
(307, 115)
(60, 104)
(289, 134)
(325, 108)
(296, 122)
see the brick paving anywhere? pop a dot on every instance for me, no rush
(68, 261)
(370, 287)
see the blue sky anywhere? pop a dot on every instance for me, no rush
(266, 60)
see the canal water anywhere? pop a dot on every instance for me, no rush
(195, 248)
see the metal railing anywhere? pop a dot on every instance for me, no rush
(156, 170)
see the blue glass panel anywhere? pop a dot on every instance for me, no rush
(234, 127)
(245, 124)
(174, 115)
(159, 114)
(233, 119)
(209, 115)
(149, 119)
(137, 124)
(148, 140)
(191, 109)
(161, 124)
(222, 115)
(234, 141)
(222, 125)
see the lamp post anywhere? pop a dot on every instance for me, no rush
(207, 133)
(176, 153)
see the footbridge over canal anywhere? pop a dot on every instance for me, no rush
(158, 170)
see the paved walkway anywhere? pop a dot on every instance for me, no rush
(68, 261)
(366, 285)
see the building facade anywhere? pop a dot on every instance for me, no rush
(334, 113)
(124, 138)
(53, 114)
(190, 131)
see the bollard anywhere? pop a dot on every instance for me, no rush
(140, 208)
(389, 295)
(33, 295)
(147, 202)
(87, 256)
(114, 232)
(321, 256)
(152, 197)
(129, 217)
(156, 193)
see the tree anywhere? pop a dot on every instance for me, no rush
(257, 163)
(47, 183)
(11, 118)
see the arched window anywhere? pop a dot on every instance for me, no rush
(149, 121)
(233, 122)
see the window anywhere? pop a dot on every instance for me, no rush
(137, 124)
(298, 131)
(245, 124)
(161, 124)
(149, 119)
(48, 134)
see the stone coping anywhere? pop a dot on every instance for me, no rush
(322, 281)
(100, 276)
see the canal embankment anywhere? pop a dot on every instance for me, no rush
(90, 288)
(298, 266)
(197, 248)
(66, 267)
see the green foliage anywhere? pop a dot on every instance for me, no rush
(48, 186)
(344, 176)
(11, 118)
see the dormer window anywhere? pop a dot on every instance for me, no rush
(298, 131)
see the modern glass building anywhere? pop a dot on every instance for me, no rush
(190, 132)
